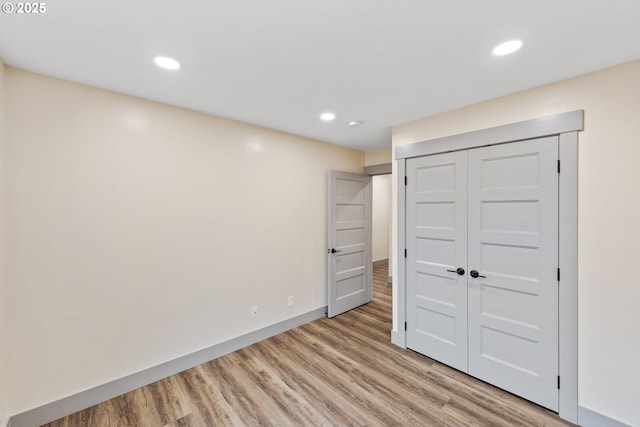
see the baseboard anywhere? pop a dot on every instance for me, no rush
(85, 399)
(380, 262)
(590, 418)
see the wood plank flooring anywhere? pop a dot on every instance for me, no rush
(331, 372)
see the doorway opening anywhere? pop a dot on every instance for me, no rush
(381, 224)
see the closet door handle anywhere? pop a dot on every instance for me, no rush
(475, 274)
(459, 270)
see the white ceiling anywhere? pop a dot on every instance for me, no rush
(280, 63)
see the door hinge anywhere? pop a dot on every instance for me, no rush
(558, 275)
(558, 382)
(405, 326)
(405, 253)
(558, 166)
(405, 180)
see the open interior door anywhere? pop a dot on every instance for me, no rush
(349, 241)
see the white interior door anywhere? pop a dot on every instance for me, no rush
(513, 245)
(349, 241)
(492, 211)
(436, 249)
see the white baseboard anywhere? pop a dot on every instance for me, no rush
(591, 418)
(85, 399)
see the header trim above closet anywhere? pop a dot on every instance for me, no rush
(535, 128)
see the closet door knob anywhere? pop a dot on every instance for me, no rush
(475, 274)
(459, 270)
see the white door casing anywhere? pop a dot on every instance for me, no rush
(436, 248)
(349, 241)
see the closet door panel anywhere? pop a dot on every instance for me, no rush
(513, 246)
(436, 248)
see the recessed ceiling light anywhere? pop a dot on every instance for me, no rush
(507, 47)
(167, 63)
(327, 117)
(355, 124)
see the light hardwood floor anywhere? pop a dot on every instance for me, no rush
(330, 372)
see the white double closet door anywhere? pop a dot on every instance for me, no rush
(492, 212)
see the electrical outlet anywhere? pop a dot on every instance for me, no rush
(254, 311)
(290, 300)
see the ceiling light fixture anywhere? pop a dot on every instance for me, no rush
(355, 124)
(166, 63)
(507, 48)
(327, 117)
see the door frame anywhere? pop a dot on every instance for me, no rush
(566, 127)
(376, 170)
(371, 171)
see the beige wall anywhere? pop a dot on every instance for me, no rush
(141, 232)
(381, 217)
(608, 212)
(4, 408)
(378, 157)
